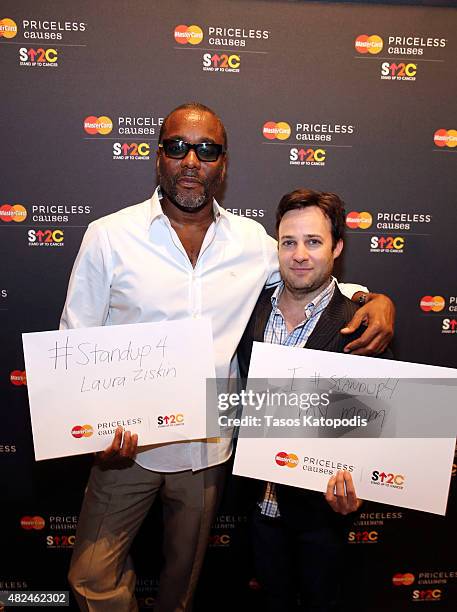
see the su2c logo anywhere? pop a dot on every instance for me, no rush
(219, 540)
(396, 481)
(37, 57)
(146, 602)
(307, 157)
(62, 541)
(426, 594)
(131, 151)
(221, 63)
(363, 537)
(172, 419)
(398, 72)
(45, 237)
(449, 326)
(384, 244)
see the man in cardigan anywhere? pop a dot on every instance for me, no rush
(298, 534)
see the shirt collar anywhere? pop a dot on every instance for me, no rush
(312, 307)
(156, 208)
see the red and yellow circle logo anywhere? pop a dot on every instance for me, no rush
(98, 125)
(280, 130)
(432, 303)
(445, 138)
(356, 220)
(188, 34)
(288, 459)
(8, 28)
(15, 212)
(369, 44)
(403, 579)
(18, 378)
(32, 522)
(82, 431)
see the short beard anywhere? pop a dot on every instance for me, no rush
(188, 201)
(185, 201)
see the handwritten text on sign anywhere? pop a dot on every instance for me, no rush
(83, 383)
(83, 354)
(389, 469)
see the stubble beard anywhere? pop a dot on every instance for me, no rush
(300, 290)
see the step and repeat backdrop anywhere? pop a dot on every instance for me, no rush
(355, 99)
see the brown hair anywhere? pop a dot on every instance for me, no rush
(329, 203)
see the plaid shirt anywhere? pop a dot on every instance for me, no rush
(276, 333)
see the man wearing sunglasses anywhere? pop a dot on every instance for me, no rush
(176, 255)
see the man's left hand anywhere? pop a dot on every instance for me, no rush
(378, 314)
(340, 493)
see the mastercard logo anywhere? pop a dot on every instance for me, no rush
(356, 220)
(280, 130)
(82, 431)
(445, 138)
(403, 579)
(8, 28)
(98, 125)
(32, 522)
(18, 378)
(289, 459)
(369, 44)
(188, 34)
(15, 212)
(432, 303)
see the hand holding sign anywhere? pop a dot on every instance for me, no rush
(122, 448)
(341, 495)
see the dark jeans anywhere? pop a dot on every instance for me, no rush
(298, 557)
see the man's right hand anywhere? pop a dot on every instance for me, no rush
(120, 448)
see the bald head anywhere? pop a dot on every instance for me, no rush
(195, 111)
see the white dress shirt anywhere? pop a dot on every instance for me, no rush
(132, 268)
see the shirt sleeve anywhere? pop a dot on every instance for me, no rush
(271, 251)
(348, 289)
(88, 294)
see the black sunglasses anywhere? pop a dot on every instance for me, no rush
(205, 151)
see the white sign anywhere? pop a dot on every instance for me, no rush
(145, 377)
(411, 472)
